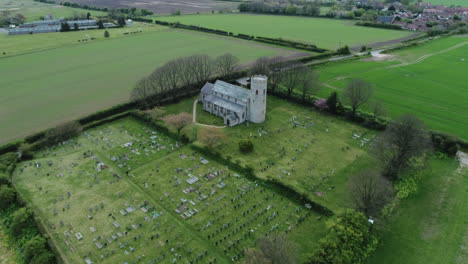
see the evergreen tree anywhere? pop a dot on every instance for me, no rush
(88, 16)
(121, 21)
(332, 101)
(75, 27)
(100, 24)
(65, 27)
(106, 34)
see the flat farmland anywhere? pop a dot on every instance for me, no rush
(41, 89)
(428, 81)
(124, 192)
(165, 6)
(325, 33)
(34, 10)
(448, 2)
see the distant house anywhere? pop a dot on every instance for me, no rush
(385, 19)
(236, 104)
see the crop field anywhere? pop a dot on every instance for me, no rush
(124, 192)
(448, 2)
(302, 148)
(167, 6)
(430, 226)
(41, 89)
(428, 81)
(34, 10)
(325, 33)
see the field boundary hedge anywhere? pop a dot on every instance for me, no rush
(272, 41)
(379, 25)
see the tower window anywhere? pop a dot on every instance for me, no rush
(256, 92)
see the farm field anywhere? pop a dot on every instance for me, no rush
(325, 33)
(300, 147)
(430, 226)
(167, 6)
(16, 45)
(427, 80)
(448, 2)
(124, 192)
(42, 89)
(34, 10)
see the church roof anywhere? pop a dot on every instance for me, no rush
(225, 103)
(207, 88)
(231, 90)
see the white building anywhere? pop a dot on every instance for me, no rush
(236, 104)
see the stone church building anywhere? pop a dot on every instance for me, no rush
(234, 103)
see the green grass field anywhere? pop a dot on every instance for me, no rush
(448, 2)
(325, 33)
(428, 81)
(34, 10)
(135, 200)
(315, 157)
(430, 226)
(41, 89)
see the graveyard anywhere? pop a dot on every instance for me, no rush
(126, 193)
(309, 151)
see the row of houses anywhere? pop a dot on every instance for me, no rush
(48, 26)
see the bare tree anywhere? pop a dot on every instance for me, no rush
(63, 132)
(308, 82)
(370, 191)
(404, 139)
(292, 77)
(378, 109)
(357, 93)
(226, 64)
(178, 121)
(142, 92)
(278, 249)
(156, 113)
(202, 67)
(261, 66)
(211, 137)
(275, 75)
(255, 256)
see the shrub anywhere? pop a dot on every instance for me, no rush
(321, 104)
(63, 132)
(22, 218)
(7, 196)
(246, 146)
(4, 179)
(35, 251)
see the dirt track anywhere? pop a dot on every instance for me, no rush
(164, 6)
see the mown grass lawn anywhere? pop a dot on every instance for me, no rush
(42, 89)
(431, 225)
(323, 32)
(433, 89)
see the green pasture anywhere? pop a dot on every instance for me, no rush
(42, 89)
(323, 32)
(127, 173)
(430, 226)
(433, 88)
(448, 2)
(34, 10)
(21, 44)
(314, 157)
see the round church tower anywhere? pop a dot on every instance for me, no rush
(258, 96)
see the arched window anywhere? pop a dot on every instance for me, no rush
(256, 92)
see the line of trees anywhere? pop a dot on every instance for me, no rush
(291, 75)
(176, 74)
